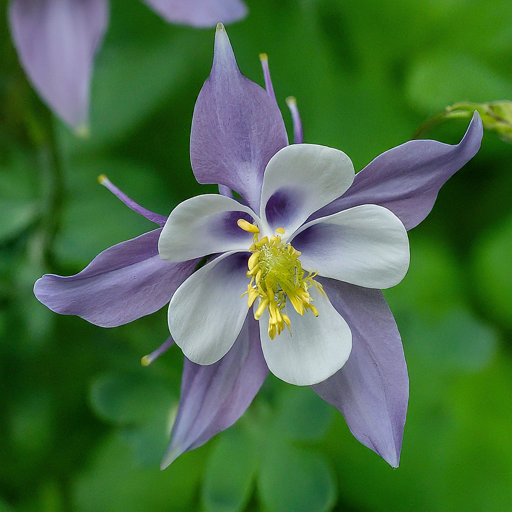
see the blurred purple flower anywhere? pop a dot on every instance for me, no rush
(57, 40)
(341, 223)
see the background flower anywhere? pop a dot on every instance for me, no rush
(58, 39)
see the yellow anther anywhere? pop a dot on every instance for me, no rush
(247, 226)
(253, 260)
(263, 305)
(291, 100)
(276, 276)
(313, 309)
(252, 295)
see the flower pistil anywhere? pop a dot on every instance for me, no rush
(276, 275)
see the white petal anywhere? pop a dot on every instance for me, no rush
(366, 245)
(299, 180)
(204, 225)
(207, 311)
(316, 348)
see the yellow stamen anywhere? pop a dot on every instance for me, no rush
(247, 226)
(253, 260)
(276, 275)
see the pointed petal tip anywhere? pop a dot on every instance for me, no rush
(393, 458)
(222, 43)
(477, 119)
(171, 455)
(224, 60)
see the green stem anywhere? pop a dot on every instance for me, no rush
(42, 135)
(438, 119)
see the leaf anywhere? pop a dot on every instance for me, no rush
(15, 217)
(457, 342)
(230, 471)
(113, 482)
(492, 272)
(438, 80)
(130, 398)
(295, 479)
(149, 440)
(432, 285)
(303, 414)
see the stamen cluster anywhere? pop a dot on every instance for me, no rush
(276, 274)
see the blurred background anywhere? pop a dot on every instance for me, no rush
(84, 426)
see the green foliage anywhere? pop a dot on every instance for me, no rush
(230, 472)
(295, 479)
(272, 448)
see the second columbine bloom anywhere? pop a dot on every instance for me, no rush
(268, 261)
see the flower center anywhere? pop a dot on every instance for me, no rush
(276, 275)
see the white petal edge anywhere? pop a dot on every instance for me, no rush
(311, 176)
(207, 312)
(197, 227)
(366, 245)
(314, 349)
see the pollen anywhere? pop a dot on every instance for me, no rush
(275, 277)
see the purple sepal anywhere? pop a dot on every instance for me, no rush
(123, 283)
(56, 42)
(225, 191)
(214, 397)
(236, 128)
(199, 13)
(372, 389)
(407, 179)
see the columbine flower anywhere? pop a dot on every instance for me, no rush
(276, 258)
(306, 238)
(57, 39)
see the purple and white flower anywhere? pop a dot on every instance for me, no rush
(57, 40)
(293, 269)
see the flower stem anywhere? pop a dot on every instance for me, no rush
(51, 178)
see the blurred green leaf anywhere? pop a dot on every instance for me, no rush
(295, 479)
(433, 282)
(457, 342)
(32, 424)
(149, 440)
(230, 472)
(302, 414)
(15, 217)
(127, 399)
(492, 272)
(114, 483)
(433, 315)
(464, 78)
(4, 507)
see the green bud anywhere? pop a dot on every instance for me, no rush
(496, 116)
